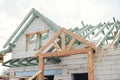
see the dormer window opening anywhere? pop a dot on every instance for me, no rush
(36, 38)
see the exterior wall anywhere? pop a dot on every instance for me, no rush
(108, 69)
(20, 50)
(69, 65)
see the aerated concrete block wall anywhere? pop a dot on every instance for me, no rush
(109, 67)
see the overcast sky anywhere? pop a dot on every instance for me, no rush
(66, 13)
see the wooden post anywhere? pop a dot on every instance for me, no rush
(27, 42)
(90, 65)
(37, 41)
(41, 68)
(63, 40)
(1, 58)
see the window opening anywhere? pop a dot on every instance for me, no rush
(36, 39)
(80, 76)
(51, 77)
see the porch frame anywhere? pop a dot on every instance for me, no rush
(66, 51)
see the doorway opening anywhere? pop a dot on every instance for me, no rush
(51, 77)
(22, 79)
(80, 76)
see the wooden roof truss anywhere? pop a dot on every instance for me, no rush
(65, 49)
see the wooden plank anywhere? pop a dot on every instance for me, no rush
(50, 41)
(90, 65)
(41, 68)
(63, 40)
(65, 53)
(7, 77)
(70, 44)
(80, 39)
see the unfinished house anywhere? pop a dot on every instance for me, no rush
(42, 49)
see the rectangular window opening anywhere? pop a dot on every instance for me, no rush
(35, 39)
(51, 77)
(80, 76)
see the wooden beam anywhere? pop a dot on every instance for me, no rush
(63, 41)
(27, 42)
(1, 61)
(80, 39)
(50, 41)
(100, 30)
(65, 53)
(40, 32)
(37, 41)
(90, 65)
(64, 31)
(92, 31)
(1, 58)
(56, 46)
(70, 44)
(7, 77)
(41, 68)
(106, 35)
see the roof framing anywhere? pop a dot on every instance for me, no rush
(28, 61)
(62, 33)
(32, 15)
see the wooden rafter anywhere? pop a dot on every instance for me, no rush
(80, 39)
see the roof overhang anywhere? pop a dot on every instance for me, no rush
(27, 61)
